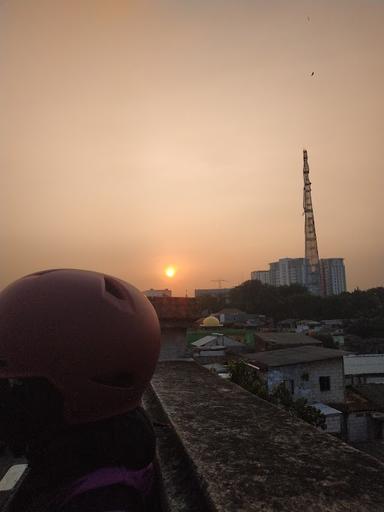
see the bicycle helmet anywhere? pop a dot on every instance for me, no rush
(94, 337)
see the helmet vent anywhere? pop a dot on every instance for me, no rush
(112, 287)
(121, 380)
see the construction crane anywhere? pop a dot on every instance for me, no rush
(311, 250)
(219, 281)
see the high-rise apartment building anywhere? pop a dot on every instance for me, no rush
(261, 275)
(292, 271)
(333, 275)
(288, 271)
(274, 274)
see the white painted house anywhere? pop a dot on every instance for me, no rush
(310, 372)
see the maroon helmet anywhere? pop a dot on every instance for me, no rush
(95, 338)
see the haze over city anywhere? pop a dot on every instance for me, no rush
(138, 135)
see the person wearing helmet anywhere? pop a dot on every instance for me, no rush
(77, 350)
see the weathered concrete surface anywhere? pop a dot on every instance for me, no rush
(180, 489)
(173, 344)
(247, 455)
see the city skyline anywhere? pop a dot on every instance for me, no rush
(136, 137)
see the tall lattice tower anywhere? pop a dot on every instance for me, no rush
(311, 252)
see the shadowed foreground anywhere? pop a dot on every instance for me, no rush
(223, 449)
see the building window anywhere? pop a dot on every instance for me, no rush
(325, 383)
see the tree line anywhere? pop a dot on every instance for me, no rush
(295, 301)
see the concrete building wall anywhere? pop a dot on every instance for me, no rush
(357, 427)
(333, 424)
(305, 379)
(173, 343)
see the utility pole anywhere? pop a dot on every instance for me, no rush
(311, 250)
(219, 281)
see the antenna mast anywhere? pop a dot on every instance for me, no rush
(311, 250)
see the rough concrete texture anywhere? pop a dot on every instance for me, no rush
(247, 455)
(180, 489)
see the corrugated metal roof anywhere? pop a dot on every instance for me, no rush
(204, 341)
(294, 355)
(363, 364)
(325, 409)
(217, 339)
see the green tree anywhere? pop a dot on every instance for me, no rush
(326, 340)
(295, 301)
(246, 377)
(281, 397)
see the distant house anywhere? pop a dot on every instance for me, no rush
(308, 326)
(158, 293)
(216, 347)
(374, 394)
(364, 369)
(231, 316)
(289, 324)
(333, 418)
(277, 340)
(311, 372)
(364, 413)
(333, 324)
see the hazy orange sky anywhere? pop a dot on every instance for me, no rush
(138, 134)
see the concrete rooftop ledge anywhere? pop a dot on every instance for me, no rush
(223, 449)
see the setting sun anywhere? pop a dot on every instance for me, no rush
(170, 271)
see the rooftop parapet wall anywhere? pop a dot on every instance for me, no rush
(244, 454)
(183, 309)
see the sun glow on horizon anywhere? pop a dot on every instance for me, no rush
(170, 271)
